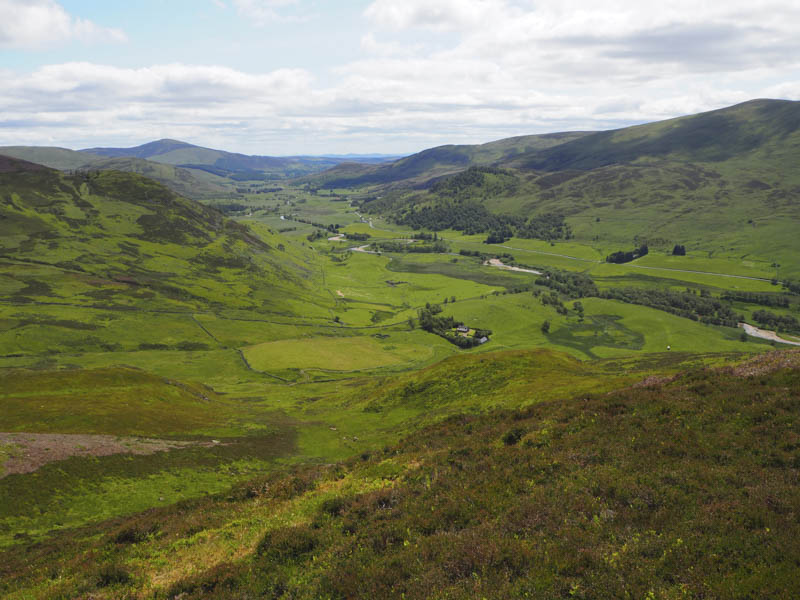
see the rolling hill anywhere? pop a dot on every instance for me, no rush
(423, 167)
(680, 486)
(228, 164)
(758, 129)
(62, 159)
(191, 183)
(119, 239)
(721, 183)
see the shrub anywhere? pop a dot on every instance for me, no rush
(134, 534)
(112, 574)
(513, 436)
(333, 506)
(286, 544)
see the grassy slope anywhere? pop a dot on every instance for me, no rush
(191, 183)
(730, 172)
(186, 182)
(174, 152)
(112, 239)
(761, 126)
(319, 422)
(442, 160)
(680, 488)
(62, 159)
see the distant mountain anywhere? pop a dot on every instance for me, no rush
(187, 182)
(764, 127)
(62, 159)
(724, 181)
(419, 169)
(230, 164)
(149, 150)
(192, 183)
(14, 165)
(757, 126)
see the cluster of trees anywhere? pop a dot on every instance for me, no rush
(792, 286)
(572, 285)
(472, 217)
(770, 320)
(763, 299)
(625, 257)
(698, 307)
(691, 304)
(466, 341)
(552, 299)
(231, 207)
(422, 235)
(499, 235)
(431, 321)
(436, 247)
(548, 227)
(331, 228)
(475, 253)
(358, 237)
(315, 235)
(467, 216)
(679, 250)
(474, 181)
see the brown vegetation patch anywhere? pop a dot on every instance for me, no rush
(28, 451)
(16, 165)
(767, 363)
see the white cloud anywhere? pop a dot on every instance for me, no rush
(481, 70)
(442, 15)
(263, 11)
(38, 23)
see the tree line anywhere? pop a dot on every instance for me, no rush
(623, 256)
(770, 320)
(697, 307)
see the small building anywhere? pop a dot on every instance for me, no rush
(462, 329)
(483, 340)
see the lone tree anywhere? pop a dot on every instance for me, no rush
(546, 327)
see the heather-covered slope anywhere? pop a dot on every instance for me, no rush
(110, 238)
(679, 487)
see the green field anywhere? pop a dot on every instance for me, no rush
(343, 353)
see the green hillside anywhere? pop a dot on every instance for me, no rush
(62, 159)
(762, 128)
(720, 184)
(118, 239)
(677, 487)
(191, 183)
(219, 162)
(424, 166)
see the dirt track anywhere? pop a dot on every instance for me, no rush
(496, 262)
(765, 335)
(29, 451)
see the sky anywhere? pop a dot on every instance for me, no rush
(289, 77)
